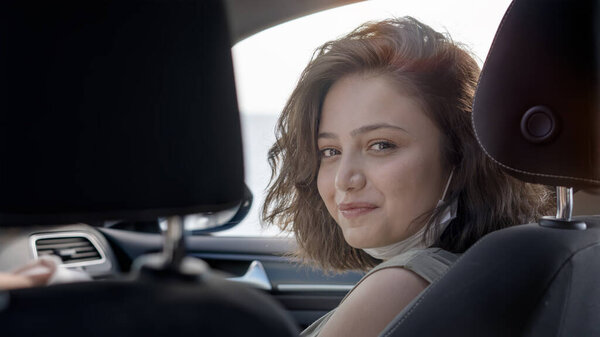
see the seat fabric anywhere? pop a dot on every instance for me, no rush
(150, 306)
(526, 280)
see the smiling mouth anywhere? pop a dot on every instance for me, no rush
(352, 211)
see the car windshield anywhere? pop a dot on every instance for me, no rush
(268, 64)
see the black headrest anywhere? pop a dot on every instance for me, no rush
(537, 107)
(116, 109)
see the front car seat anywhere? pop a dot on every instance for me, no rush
(537, 114)
(123, 109)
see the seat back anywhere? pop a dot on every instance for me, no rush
(522, 281)
(537, 114)
(123, 109)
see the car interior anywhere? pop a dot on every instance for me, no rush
(120, 125)
(536, 114)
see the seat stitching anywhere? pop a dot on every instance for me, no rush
(483, 72)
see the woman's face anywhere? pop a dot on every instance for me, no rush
(380, 160)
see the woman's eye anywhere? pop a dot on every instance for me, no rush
(329, 152)
(381, 146)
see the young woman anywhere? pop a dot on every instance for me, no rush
(376, 160)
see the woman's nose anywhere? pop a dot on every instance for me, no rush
(349, 175)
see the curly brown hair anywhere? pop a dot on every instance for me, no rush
(443, 76)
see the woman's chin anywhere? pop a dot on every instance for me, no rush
(357, 239)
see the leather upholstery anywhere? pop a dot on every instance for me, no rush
(545, 55)
(537, 114)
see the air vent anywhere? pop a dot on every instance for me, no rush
(72, 249)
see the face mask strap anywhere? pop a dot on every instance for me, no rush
(447, 185)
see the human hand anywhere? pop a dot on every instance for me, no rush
(36, 273)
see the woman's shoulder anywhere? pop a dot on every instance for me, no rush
(384, 291)
(372, 304)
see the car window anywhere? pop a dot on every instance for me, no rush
(268, 64)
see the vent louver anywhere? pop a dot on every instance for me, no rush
(71, 249)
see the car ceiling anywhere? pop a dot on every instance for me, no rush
(247, 17)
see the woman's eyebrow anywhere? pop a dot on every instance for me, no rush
(328, 135)
(371, 127)
(362, 129)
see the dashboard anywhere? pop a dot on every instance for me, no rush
(266, 264)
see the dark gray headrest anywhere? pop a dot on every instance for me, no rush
(537, 107)
(116, 109)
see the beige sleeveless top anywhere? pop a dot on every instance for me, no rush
(429, 263)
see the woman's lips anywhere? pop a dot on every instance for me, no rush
(353, 210)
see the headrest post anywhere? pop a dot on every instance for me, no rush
(174, 243)
(172, 261)
(564, 203)
(564, 211)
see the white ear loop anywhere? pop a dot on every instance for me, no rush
(447, 186)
